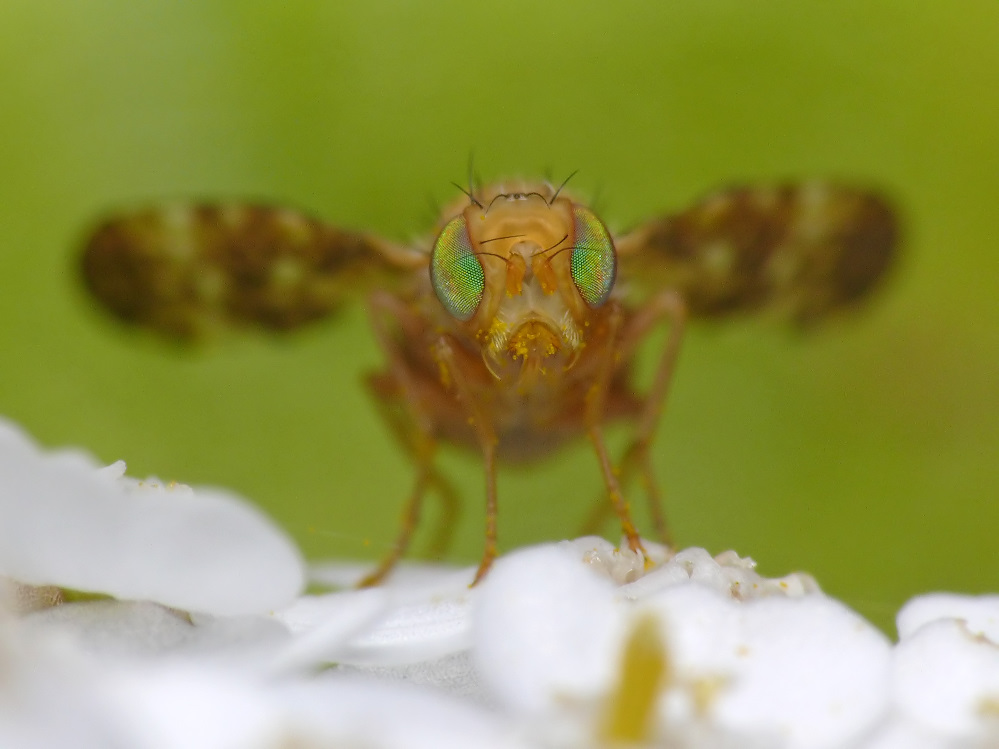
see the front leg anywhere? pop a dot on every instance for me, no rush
(455, 376)
(668, 306)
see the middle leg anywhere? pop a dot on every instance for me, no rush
(412, 425)
(596, 398)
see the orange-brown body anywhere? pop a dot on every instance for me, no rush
(513, 330)
(533, 349)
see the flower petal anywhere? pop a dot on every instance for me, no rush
(946, 676)
(64, 522)
(979, 613)
(546, 628)
(807, 669)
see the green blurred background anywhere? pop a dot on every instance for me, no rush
(866, 453)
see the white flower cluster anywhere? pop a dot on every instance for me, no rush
(144, 616)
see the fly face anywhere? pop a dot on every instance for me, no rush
(522, 273)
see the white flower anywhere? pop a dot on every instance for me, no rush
(188, 705)
(735, 659)
(53, 694)
(193, 657)
(422, 614)
(576, 644)
(946, 668)
(67, 523)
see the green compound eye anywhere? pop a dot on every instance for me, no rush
(594, 261)
(456, 272)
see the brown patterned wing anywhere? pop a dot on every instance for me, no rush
(189, 271)
(802, 250)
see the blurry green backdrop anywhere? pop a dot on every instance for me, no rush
(866, 453)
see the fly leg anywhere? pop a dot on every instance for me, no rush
(668, 305)
(410, 517)
(452, 372)
(420, 447)
(450, 514)
(596, 398)
(413, 427)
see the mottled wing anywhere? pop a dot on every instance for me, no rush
(802, 250)
(189, 271)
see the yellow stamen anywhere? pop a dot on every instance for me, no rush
(644, 672)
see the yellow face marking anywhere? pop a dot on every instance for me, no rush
(546, 275)
(515, 273)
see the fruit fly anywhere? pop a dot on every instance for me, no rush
(513, 329)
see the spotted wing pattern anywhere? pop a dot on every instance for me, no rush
(803, 250)
(189, 271)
